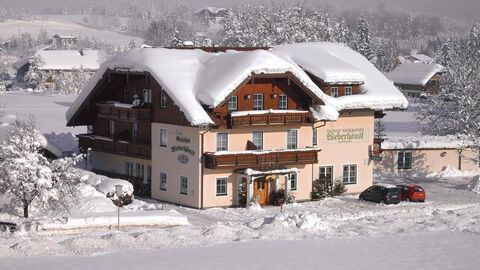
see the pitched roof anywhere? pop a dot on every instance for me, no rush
(414, 73)
(66, 59)
(194, 78)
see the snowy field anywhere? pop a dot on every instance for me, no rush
(63, 25)
(339, 233)
(48, 111)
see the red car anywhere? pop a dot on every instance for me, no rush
(414, 193)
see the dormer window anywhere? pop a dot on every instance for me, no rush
(233, 104)
(334, 91)
(348, 91)
(163, 99)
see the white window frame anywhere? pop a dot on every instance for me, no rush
(163, 99)
(294, 131)
(183, 185)
(315, 137)
(348, 90)
(253, 139)
(111, 128)
(163, 137)
(128, 168)
(222, 187)
(324, 167)
(282, 102)
(256, 101)
(401, 162)
(349, 177)
(219, 144)
(232, 104)
(163, 181)
(293, 178)
(140, 170)
(334, 91)
(147, 95)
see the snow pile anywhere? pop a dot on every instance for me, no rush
(474, 185)
(424, 142)
(107, 186)
(195, 74)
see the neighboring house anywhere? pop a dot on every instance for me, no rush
(416, 79)
(64, 42)
(207, 129)
(60, 62)
(211, 15)
(425, 154)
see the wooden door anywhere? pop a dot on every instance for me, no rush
(260, 190)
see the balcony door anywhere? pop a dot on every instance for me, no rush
(260, 190)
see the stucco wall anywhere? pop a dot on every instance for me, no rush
(166, 159)
(339, 153)
(426, 160)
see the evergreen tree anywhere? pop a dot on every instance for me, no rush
(363, 40)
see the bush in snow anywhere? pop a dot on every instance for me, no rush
(28, 177)
(319, 191)
(339, 188)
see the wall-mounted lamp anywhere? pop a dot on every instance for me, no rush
(443, 154)
(274, 95)
(247, 96)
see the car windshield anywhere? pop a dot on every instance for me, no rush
(417, 189)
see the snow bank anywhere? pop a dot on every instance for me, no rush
(424, 142)
(474, 185)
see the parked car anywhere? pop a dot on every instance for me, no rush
(386, 193)
(414, 193)
(7, 227)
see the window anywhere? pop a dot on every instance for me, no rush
(163, 99)
(163, 181)
(258, 101)
(325, 174)
(257, 139)
(163, 137)
(134, 132)
(221, 186)
(149, 174)
(349, 174)
(282, 102)
(222, 141)
(293, 181)
(129, 168)
(314, 137)
(126, 96)
(292, 139)
(348, 90)
(433, 83)
(232, 104)
(111, 128)
(183, 185)
(147, 95)
(404, 160)
(139, 171)
(334, 91)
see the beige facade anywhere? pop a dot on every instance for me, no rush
(426, 160)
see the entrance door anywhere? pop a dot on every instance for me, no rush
(260, 190)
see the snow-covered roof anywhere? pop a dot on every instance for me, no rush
(422, 58)
(213, 10)
(414, 73)
(70, 59)
(194, 78)
(424, 142)
(252, 172)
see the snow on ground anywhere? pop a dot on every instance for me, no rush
(449, 210)
(63, 25)
(48, 111)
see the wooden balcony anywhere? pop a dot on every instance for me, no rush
(111, 111)
(261, 159)
(103, 144)
(270, 118)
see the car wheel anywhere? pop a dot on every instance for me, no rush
(407, 199)
(361, 198)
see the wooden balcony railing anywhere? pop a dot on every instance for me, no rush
(108, 145)
(261, 159)
(271, 119)
(115, 112)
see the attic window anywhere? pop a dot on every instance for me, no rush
(334, 91)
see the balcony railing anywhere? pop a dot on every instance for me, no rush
(269, 118)
(261, 159)
(104, 144)
(116, 111)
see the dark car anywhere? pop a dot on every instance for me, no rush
(388, 194)
(414, 193)
(7, 227)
